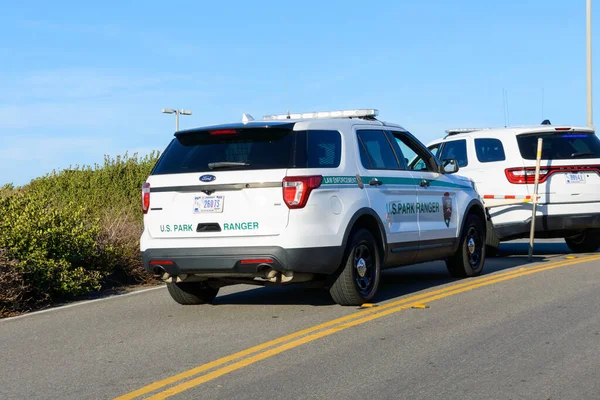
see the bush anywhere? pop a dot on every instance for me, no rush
(72, 232)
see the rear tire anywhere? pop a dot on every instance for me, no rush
(188, 293)
(586, 242)
(358, 280)
(470, 255)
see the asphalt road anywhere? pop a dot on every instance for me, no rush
(520, 331)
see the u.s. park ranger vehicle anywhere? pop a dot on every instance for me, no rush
(324, 196)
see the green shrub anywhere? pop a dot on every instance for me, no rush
(72, 232)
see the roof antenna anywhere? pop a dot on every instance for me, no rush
(504, 105)
(287, 84)
(542, 105)
(506, 112)
(507, 109)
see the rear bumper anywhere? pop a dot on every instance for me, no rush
(549, 226)
(228, 260)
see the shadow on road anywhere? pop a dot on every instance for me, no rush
(396, 282)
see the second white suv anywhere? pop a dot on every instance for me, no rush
(325, 197)
(502, 164)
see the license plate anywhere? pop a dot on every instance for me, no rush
(575, 178)
(208, 204)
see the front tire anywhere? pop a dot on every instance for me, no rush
(358, 280)
(188, 293)
(586, 242)
(470, 255)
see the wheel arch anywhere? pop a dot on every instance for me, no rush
(474, 207)
(367, 218)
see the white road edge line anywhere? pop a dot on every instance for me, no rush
(81, 303)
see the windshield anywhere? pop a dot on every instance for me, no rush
(560, 146)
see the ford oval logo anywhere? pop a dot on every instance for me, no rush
(207, 178)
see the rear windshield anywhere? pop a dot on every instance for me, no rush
(560, 146)
(251, 149)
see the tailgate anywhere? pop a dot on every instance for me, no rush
(570, 166)
(182, 207)
(222, 181)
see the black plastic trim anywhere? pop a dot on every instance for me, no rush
(240, 126)
(472, 203)
(317, 260)
(361, 212)
(549, 226)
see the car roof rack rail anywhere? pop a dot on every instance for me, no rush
(451, 132)
(364, 113)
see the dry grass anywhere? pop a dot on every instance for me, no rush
(14, 291)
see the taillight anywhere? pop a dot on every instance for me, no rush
(296, 189)
(145, 197)
(525, 175)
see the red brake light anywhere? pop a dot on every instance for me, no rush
(161, 262)
(562, 129)
(224, 132)
(296, 189)
(258, 261)
(145, 197)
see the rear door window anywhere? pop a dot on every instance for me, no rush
(456, 149)
(376, 151)
(489, 150)
(251, 149)
(560, 146)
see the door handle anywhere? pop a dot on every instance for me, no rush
(375, 182)
(424, 183)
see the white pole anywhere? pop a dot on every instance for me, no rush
(176, 120)
(588, 11)
(535, 197)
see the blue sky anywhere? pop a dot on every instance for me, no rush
(82, 80)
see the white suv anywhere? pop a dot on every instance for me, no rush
(324, 197)
(502, 164)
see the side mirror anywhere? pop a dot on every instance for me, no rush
(450, 166)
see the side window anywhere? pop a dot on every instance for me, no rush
(456, 149)
(435, 148)
(318, 149)
(375, 150)
(489, 150)
(414, 157)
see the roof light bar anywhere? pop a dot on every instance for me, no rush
(360, 113)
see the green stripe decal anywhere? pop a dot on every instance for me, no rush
(351, 180)
(339, 180)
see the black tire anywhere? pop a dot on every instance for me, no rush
(586, 242)
(470, 255)
(358, 279)
(188, 293)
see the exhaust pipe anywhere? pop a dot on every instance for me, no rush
(274, 276)
(163, 275)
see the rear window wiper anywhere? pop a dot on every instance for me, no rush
(582, 154)
(226, 164)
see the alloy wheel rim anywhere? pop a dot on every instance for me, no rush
(364, 270)
(474, 245)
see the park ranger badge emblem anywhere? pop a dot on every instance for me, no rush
(447, 207)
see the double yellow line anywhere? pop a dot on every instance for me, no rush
(260, 352)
